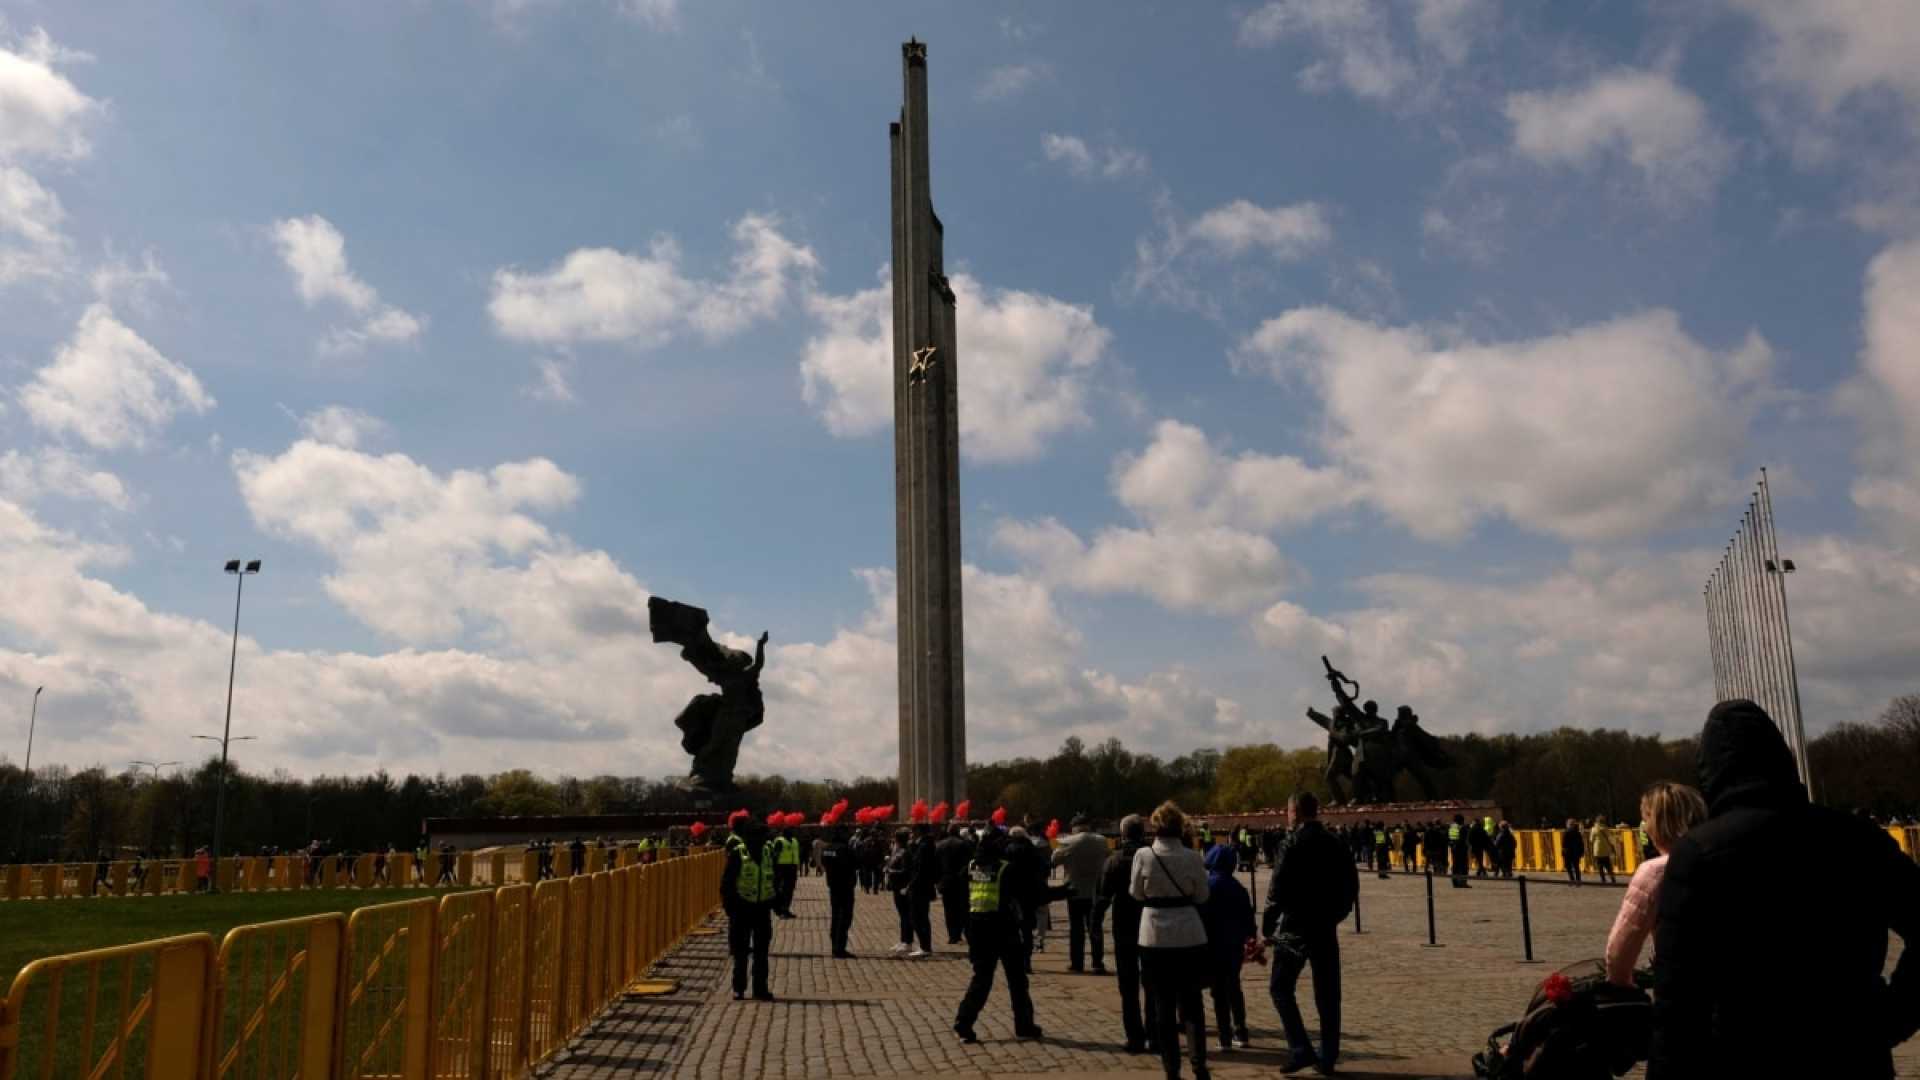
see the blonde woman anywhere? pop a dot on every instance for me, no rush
(1169, 879)
(1669, 811)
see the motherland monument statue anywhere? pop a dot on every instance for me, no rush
(1367, 751)
(712, 725)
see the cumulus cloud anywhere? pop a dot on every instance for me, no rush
(31, 241)
(1885, 395)
(339, 425)
(1658, 125)
(1089, 161)
(1615, 429)
(1029, 360)
(1166, 262)
(109, 388)
(316, 255)
(1181, 477)
(1839, 52)
(42, 113)
(26, 477)
(1180, 566)
(603, 295)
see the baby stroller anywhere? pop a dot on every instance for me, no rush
(1578, 1026)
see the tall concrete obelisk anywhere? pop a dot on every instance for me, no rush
(926, 470)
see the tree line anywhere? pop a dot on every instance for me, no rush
(1540, 777)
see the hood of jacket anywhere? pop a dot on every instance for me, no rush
(1222, 861)
(1744, 760)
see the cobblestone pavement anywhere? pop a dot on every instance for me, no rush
(1410, 1010)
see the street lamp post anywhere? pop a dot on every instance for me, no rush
(153, 817)
(239, 573)
(26, 794)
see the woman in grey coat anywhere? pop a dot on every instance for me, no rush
(1170, 881)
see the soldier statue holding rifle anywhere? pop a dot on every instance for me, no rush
(1363, 748)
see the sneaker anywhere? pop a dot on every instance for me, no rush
(901, 949)
(965, 1031)
(1099, 969)
(739, 995)
(918, 954)
(1226, 1042)
(763, 995)
(1242, 1040)
(1031, 1032)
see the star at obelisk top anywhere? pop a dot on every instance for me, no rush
(926, 469)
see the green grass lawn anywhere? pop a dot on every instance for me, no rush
(30, 929)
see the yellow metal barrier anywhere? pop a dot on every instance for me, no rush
(507, 982)
(389, 998)
(277, 998)
(546, 983)
(462, 968)
(142, 1011)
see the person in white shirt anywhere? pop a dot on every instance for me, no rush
(1170, 881)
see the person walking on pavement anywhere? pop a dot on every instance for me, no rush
(1380, 849)
(1410, 848)
(1115, 891)
(1573, 847)
(925, 886)
(786, 872)
(1505, 847)
(993, 941)
(1792, 986)
(1228, 917)
(955, 855)
(1600, 845)
(1479, 842)
(1457, 850)
(1309, 893)
(1170, 881)
(1084, 857)
(841, 867)
(746, 892)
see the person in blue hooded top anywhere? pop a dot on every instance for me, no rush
(1228, 915)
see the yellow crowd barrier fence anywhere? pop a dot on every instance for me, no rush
(475, 985)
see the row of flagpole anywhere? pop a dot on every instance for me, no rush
(1748, 629)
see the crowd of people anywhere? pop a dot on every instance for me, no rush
(1754, 972)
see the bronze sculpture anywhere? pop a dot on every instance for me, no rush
(1364, 749)
(712, 725)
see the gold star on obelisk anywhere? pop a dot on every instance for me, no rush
(922, 362)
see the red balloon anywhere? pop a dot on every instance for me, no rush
(1053, 829)
(919, 811)
(939, 814)
(698, 830)
(999, 815)
(964, 810)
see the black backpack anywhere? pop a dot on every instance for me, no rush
(1578, 1026)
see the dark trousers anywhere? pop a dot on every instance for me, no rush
(1173, 982)
(785, 878)
(1604, 864)
(840, 895)
(920, 907)
(1322, 950)
(750, 931)
(1126, 963)
(953, 905)
(1229, 997)
(1381, 860)
(994, 942)
(1459, 865)
(1081, 925)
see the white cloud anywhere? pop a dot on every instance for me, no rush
(31, 243)
(1610, 430)
(1010, 81)
(552, 385)
(1108, 162)
(1181, 566)
(602, 295)
(1885, 396)
(1028, 361)
(42, 114)
(50, 470)
(339, 425)
(1449, 26)
(1166, 264)
(1839, 52)
(316, 254)
(109, 387)
(1355, 36)
(1660, 126)
(1182, 478)
(659, 14)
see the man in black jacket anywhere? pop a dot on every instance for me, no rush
(840, 864)
(1764, 973)
(747, 892)
(955, 853)
(1115, 892)
(1309, 893)
(925, 863)
(993, 940)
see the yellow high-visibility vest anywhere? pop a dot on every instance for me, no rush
(755, 884)
(1453, 832)
(1380, 837)
(788, 851)
(983, 889)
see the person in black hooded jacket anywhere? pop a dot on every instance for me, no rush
(1764, 973)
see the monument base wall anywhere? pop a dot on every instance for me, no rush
(1400, 813)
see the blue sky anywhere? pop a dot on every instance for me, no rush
(1446, 336)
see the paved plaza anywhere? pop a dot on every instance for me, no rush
(1411, 1010)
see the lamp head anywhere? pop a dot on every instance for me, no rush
(253, 567)
(233, 566)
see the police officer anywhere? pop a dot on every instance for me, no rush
(746, 891)
(1380, 848)
(1457, 844)
(994, 940)
(841, 865)
(786, 872)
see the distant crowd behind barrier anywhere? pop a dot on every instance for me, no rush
(1537, 851)
(472, 985)
(373, 870)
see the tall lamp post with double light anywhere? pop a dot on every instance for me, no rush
(26, 791)
(239, 573)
